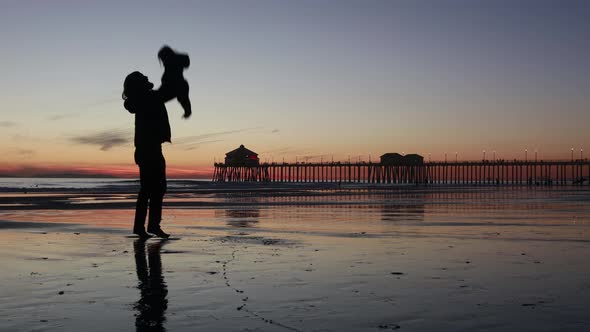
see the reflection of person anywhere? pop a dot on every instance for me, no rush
(151, 130)
(172, 79)
(152, 303)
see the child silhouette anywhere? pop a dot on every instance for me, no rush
(172, 80)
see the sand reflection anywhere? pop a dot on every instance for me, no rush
(152, 304)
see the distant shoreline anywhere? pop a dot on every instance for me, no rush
(200, 186)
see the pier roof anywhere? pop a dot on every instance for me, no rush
(241, 151)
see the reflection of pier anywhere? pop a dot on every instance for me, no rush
(468, 172)
(242, 217)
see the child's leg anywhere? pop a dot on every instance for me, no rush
(185, 102)
(183, 99)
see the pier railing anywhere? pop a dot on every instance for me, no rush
(499, 172)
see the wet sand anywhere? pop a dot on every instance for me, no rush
(409, 259)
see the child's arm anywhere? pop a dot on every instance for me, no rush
(166, 93)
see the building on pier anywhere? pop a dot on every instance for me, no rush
(393, 158)
(414, 159)
(242, 157)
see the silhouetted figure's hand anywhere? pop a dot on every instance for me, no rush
(187, 115)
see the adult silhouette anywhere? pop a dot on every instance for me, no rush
(152, 304)
(152, 128)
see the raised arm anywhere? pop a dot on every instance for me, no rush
(165, 93)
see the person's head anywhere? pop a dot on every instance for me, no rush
(136, 84)
(166, 54)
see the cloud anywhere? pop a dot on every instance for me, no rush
(61, 116)
(25, 152)
(283, 150)
(6, 124)
(206, 137)
(111, 138)
(275, 131)
(198, 145)
(96, 103)
(19, 137)
(188, 143)
(104, 101)
(105, 139)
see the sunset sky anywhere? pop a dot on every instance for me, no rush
(303, 79)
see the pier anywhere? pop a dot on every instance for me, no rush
(484, 172)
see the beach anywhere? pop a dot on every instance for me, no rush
(277, 257)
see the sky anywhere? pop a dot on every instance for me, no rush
(294, 80)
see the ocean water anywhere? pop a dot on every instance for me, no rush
(60, 183)
(7, 184)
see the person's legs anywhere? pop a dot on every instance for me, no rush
(141, 205)
(158, 186)
(155, 216)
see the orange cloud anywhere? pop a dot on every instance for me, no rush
(118, 171)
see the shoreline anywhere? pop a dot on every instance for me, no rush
(200, 186)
